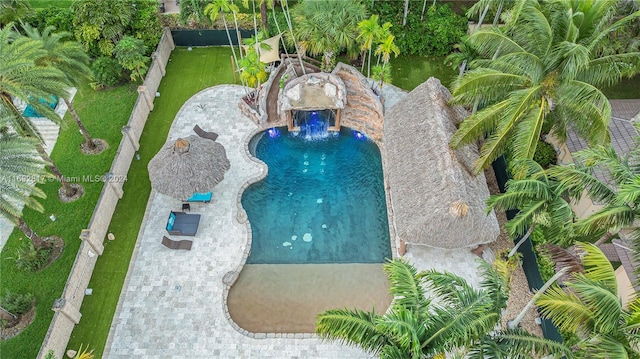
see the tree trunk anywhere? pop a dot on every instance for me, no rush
(38, 242)
(263, 15)
(68, 190)
(512, 324)
(607, 236)
(406, 11)
(287, 16)
(88, 141)
(463, 67)
(522, 240)
(498, 12)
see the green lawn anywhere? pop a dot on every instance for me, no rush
(187, 73)
(627, 89)
(103, 113)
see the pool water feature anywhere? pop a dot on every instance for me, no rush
(322, 201)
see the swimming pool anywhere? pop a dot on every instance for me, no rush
(322, 201)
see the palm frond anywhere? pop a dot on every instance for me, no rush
(406, 286)
(355, 327)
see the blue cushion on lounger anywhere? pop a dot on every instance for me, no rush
(172, 219)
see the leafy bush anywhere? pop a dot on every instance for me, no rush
(59, 17)
(545, 154)
(29, 258)
(546, 265)
(107, 72)
(433, 35)
(16, 303)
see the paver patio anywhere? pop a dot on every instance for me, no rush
(172, 304)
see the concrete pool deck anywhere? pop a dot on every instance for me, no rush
(173, 302)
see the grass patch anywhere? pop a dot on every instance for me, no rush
(103, 113)
(627, 89)
(188, 73)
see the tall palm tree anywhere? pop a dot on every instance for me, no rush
(20, 168)
(220, 7)
(68, 57)
(619, 192)
(538, 199)
(588, 306)
(21, 77)
(328, 27)
(454, 318)
(369, 33)
(385, 49)
(542, 68)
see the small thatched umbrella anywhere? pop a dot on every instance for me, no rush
(188, 165)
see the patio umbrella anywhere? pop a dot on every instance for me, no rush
(188, 165)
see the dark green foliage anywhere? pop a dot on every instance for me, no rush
(16, 303)
(435, 34)
(107, 72)
(59, 17)
(545, 154)
(545, 263)
(146, 24)
(29, 258)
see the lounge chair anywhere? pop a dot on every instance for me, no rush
(183, 224)
(204, 134)
(200, 197)
(171, 244)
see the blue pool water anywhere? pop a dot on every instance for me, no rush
(323, 201)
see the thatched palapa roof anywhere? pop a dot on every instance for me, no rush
(436, 199)
(189, 165)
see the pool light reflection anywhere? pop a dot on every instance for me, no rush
(273, 132)
(359, 135)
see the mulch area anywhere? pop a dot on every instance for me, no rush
(62, 194)
(16, 327)
(520, 294)
(100, 146)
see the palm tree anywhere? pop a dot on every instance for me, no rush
(220, 7)
(538, 200)
(21, 77)
(542, 69)
(68, 57)
(385, 49)
(455, 318)
(619, 193)
(328, 27)
(13, 10)
(370, 32)
(588, 306)
(20, 169)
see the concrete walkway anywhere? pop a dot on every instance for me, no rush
(173, 302)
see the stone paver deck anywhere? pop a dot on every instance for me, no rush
(173, 302)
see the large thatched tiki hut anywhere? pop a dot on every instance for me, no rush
(436, 199)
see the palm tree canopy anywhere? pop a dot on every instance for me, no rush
(433, 313)
(590, 307)
(20, 169)
(66, 55)
(22, 77)
(217, 7)
(322, 26)
(619, 192)
(538, 199)
(542, 68)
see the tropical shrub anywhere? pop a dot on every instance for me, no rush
(130, 55)
(59, 17)
(30, 258)
(433, 34)
(545, 154)
(107, 72)
(16, 303)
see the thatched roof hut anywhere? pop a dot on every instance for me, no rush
(189, 165)
(435, 197)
